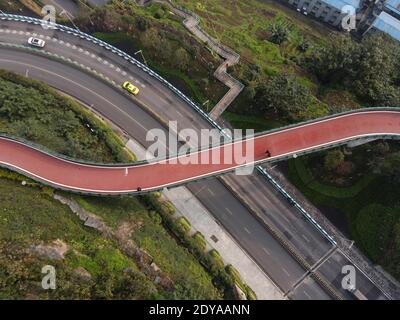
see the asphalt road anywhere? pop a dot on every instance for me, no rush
(169, 107)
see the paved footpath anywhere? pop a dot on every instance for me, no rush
(201, 220)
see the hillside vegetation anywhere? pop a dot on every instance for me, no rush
(33, 111)
(128, 253)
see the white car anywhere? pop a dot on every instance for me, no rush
(36, 42)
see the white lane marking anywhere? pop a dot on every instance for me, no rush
(285, 271)
(211, 192)
(229, 211)
(266, 251)
(306, 294)
(178, 112)
(305, 238)
(247, 230)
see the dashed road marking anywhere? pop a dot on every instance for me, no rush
(247, 230)
(285, 271)
(229, 211)
(306, 294)
(266, 251)
(305, 238)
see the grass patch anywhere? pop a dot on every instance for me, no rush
(259, 124)
(191, 280)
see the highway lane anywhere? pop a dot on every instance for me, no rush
(296, 230)
(161, 99)
(263, 196)
(332, 270)
(250, 234)
(49, 71)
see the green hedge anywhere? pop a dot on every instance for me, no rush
(250, 294)
(221, 278)
(185, 224)
(201, 241)
(217, 258)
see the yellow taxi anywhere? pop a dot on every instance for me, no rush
(130, 88)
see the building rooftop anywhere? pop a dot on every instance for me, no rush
(393, 5)
(339, 4)
(388, 24)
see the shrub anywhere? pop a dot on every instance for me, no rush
(201, 241)
(217, 258)
(185, 224)
(221, 278)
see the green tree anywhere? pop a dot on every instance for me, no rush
(333, 159)
(284, 95)
(182, 59)
(279, 33)
(389, 166)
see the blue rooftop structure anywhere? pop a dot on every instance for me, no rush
(393, 5)
(389, 24)
(339, 4)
